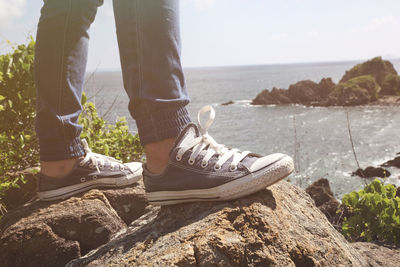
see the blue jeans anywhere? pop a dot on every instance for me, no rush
(149, 46)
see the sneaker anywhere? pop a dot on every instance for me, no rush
(92, 171)
(200, 169)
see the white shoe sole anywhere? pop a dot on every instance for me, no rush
(68, 191)
(232, 190)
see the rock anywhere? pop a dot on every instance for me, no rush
(378, 256)
(360, 85)
(372, 172)
(392, 163)
(276, 227)
(228, 103)
(325, 87)
(130, 203)
(320, 191)
(276, 96)
(356, 91)
(386, 100)
(376, 67)
(391, 85)
(304, 92)
(53, 233)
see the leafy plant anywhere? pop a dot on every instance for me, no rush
(109, 139)
(18, 142)
(374, 214)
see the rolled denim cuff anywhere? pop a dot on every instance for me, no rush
(162, 124)
(52, 150)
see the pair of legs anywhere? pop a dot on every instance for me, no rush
(149, 46)
(195, 168)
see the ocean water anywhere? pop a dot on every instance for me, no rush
(316, 136)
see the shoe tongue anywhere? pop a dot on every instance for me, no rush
(190, 132)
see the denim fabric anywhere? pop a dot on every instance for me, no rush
(149, 46)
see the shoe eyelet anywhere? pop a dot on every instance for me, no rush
(204, 164)
(91, 166)
(94, 177)
(217, 167)
(83, 179)
(81, 163)
(232, 168)
(112, 168)
(191, 161)
(178, 158)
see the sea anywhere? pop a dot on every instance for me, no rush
(317, 137)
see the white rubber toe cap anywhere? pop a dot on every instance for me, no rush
(265, 161)
(134, 166)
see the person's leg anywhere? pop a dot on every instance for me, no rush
(149, 44)
(60, 63)
(68, 166)
(194, 167)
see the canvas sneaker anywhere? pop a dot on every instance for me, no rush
(92, 171)
(200, 169)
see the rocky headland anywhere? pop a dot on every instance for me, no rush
(372, 82)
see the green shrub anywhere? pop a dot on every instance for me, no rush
(18, 142)
(109, 139)
(374, 214)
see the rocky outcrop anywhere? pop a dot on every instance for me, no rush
(372, 172)
(378, 256)
(279, 226)
(320, 191)
(376, 67)
(53, 233)
(391, 85)
(325, 87)
(363, 84)
(303, 92)
(228, 103)
(276, 96)
(356, 91)
(392, 163)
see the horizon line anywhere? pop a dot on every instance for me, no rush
(118, 69)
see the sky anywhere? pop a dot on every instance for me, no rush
(244, 32)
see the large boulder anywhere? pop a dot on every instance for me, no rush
(325, 87)
(376, 67)
(275, 96)
(304, 92)
(279, 226)
(356, 91)
(53, 233)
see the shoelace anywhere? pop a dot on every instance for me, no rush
(98, 161)
(205, 144)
